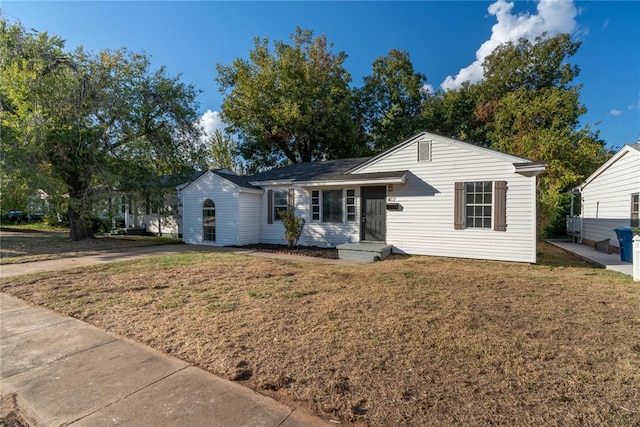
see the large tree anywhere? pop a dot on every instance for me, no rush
(391, 100)
(91, 121)
(290, 103)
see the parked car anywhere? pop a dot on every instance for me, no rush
(15, 216)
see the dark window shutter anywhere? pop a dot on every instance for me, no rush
(458, 206)
(500, 206)
(269, 206)
(291, 200)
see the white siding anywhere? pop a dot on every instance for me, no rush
(606, 201)
(424, 225)
(249, 218)
(165, 225)
(225, 195)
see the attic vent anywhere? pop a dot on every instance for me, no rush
(424, 151)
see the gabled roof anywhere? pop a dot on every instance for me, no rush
(518, 162)
(240, 181)
(633, 149)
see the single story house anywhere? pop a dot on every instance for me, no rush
(428, 195)
(609, 198)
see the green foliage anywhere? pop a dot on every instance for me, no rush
(291, 103)
(222, 307)
(293, 226)
(223, 152)
(91, 122)
(391, 100)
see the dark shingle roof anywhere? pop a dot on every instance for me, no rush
(327, 170)
(309, 171)
(241, 181)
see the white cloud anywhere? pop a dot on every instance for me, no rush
(210, 122)
(427, 89)
(553, 17)
(615, 112)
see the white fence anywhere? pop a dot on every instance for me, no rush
(636, 258)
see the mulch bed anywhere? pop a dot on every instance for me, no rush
(314, 251)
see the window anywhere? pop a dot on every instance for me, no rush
(152, 205)
(280, 202)
(351, 205)
(635, 210)
(332, 206)
(481, 204)
(478, 204)
(315, 205)
(209, 221)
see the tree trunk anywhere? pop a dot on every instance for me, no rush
(80, 227)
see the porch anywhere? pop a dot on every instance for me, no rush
(364, 251)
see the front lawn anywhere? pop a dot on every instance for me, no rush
(407, 341)
(26, 243)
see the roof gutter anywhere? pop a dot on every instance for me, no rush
(356, 181)
(529, 169)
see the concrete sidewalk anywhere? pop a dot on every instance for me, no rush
(608, 261)
(66, 372)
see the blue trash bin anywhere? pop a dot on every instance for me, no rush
(625, 238)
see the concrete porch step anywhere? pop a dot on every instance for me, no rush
(364, 251)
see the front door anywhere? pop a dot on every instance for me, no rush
(374, 214)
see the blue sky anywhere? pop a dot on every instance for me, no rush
(445, 39)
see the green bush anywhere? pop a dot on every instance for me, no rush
(99, 225)
(293, 226)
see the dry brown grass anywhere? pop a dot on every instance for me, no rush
(19, 245)
(408, 341)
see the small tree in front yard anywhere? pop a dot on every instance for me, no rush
(293, 226)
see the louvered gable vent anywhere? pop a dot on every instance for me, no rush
(424, 151)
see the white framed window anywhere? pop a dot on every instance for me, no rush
(350, 203)
(333, 206)
(315, 205)
(280, 203)
(635, 210)
(478, 204)
(209, 221)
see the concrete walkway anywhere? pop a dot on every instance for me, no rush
(589, 254)
(66, 372)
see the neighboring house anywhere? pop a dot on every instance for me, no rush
(609, 198)
(157, 211)
(429, 195)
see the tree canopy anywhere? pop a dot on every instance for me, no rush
(289, 103)
(391, 101)
(92, 121)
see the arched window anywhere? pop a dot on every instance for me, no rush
(209, 221)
